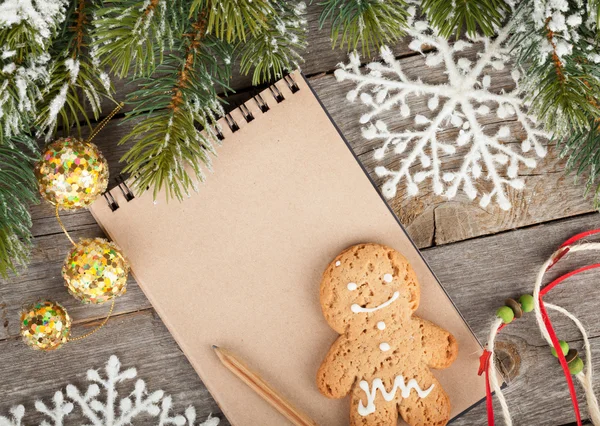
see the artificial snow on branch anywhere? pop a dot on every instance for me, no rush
(26, 31)
(370, 23)
(185, 96)
(275, 48)
(556, 44)
(132, 35)
(75, 79)
(458, 104)
(18, 190)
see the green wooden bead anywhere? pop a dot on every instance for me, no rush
(564, 346)
(576, 366)
(505, 314)
(526, 302)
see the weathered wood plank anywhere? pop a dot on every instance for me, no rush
(430, 219)
(540, 395)
(139, 340)
(43, 280)
(507, 262)
(478, 274)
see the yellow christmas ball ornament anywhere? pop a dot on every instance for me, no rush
(45, 325)
(95, 271)
(72, 173)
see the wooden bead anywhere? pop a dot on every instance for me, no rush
(576, 366)
(526, 301)
(564, 346)
(571, 355)
(515, 306)
(505, 314)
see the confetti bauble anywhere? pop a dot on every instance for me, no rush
(95, 271)
(72, 173)
(45, 325)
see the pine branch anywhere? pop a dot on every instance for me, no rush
(455, 16)
(594, 6)
(18, 188)
(26, 31)
(370, 23)
(180, 97)
(76, 77)
(133, 35)
(273, 50)
(230, 20)
(583, 151)
(562, 76)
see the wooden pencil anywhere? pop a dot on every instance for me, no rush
(258, 385)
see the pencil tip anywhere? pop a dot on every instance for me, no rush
(215, 347)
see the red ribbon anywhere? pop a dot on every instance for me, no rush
(563, 362)
(484, 364)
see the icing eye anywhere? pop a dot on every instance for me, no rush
(388, 278)
(352, 286)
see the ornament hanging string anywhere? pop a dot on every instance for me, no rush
(72, 174)
(62, 226)
(96, 130)
(104, 122)
(102, 324)
(487, 357)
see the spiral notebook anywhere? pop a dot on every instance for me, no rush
(239, 263)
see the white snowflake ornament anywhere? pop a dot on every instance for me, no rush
(459, 104)
(101, 405)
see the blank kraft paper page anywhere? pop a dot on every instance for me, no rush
(239, 263)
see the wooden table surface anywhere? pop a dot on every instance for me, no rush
(481, 256)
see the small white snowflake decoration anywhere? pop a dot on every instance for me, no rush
(101, 405)
(457, 105)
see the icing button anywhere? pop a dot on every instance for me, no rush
(381, 325)
(384, 347)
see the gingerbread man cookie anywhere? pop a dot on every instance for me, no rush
(384, 353)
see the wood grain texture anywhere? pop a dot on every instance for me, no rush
(139, 340)
(478, 273)
(431, 219)
(43, 280)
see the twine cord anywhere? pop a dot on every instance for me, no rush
(493, 376)
(547, 331)
(584, 379)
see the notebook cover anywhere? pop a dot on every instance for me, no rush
(239, 263)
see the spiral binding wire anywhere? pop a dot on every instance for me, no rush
(231, 123)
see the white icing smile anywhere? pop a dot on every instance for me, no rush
(357, 308)
(388, 396)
